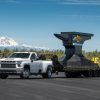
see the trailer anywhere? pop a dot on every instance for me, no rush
(74, 63)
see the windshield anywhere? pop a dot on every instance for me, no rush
(20, 55)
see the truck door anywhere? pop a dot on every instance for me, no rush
(35, 66)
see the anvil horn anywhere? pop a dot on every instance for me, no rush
(61, 37)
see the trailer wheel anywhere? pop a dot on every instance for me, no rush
(88, 73)
(3, 76)
(25, 74)
(48, 74)
(68, 74)
(96, 73)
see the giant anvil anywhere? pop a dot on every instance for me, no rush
(73, 42)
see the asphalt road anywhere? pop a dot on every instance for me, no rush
(56, 88)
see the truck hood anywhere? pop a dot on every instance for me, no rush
(14, 59)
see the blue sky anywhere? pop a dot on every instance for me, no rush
(34, 22)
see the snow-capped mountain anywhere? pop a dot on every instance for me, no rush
(41, 48)
(5, 41)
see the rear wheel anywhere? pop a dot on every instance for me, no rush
(48, 74)
(3, 76)
(25, 74)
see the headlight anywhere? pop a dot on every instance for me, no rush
(19, 63)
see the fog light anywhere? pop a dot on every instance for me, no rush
(19, 65)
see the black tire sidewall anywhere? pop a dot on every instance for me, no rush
(3, 76)
(23, 76)
(49, 73)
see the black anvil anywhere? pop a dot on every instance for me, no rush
(73, 42)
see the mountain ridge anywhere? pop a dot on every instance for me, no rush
(6, 42)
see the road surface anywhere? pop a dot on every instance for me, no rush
(56, 88)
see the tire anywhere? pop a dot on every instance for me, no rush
(95, 73)
(44, 76)
(25, 74)
(88, 74)
(98, 73)
(3, 76)
(48, 74)
(69, 74)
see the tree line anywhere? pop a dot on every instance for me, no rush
(89, 55)
(6, 52)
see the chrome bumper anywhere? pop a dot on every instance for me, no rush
(11, 70)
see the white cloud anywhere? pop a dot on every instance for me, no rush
(77, 2)
(12, 1)
(85, 16)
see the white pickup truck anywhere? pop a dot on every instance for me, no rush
(25, 64)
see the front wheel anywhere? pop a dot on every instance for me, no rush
(25, 74)
(3, 76)
(48, 74)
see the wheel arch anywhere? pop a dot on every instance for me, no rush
(45, 66)
(49, 67)
(27, 66)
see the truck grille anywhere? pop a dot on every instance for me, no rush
(8, 64)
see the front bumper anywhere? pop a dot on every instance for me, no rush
(11, 70)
